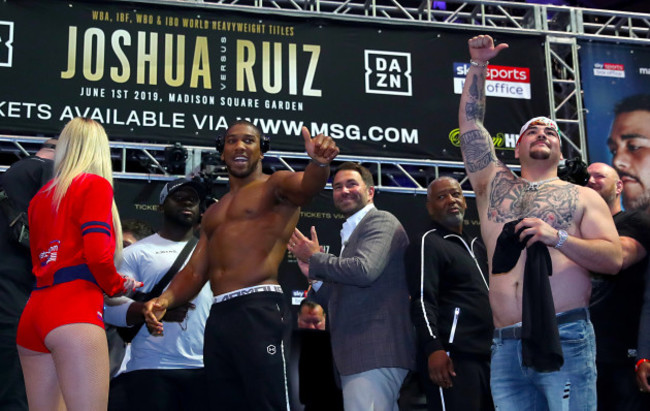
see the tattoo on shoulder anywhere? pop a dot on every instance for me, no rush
(510, 200)
(477, 149)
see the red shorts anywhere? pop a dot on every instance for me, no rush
(77, 301)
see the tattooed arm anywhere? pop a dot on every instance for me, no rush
(475, 141)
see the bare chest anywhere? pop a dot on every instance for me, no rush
(512, 199)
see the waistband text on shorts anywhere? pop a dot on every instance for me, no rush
(246, 291)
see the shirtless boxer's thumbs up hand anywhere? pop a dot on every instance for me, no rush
(322, 149)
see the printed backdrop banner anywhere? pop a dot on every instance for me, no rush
(181, 73)
(610, 73)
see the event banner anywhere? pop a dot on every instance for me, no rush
(180, 73)
(616, 84)
(611, 73)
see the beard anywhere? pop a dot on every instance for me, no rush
(351, 209)
(239, 174)
(453, 220)
(183, 221)
(357, 203)
(243, 173)
(540, 155)
(641, 203)
(610, 195)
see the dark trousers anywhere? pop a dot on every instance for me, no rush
(318, 389)
(12, 384)
(617, 388)
(245, 352)
(471, 386)
(160, 390)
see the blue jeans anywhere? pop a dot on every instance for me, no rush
(517, 388)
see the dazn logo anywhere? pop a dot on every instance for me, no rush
(388, 72)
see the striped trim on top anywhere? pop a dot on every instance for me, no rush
(95, 227)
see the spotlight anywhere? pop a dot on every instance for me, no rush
(211, 170)
(211, 165)
(145, 162)
(175, 158)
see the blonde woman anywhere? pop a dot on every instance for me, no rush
(75, 235)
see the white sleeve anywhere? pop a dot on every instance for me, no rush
(129, 265)
(116, 314)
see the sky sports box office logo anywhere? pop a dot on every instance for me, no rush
(501, 81)
(609, 70)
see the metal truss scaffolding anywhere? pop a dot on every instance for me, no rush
(561, 27)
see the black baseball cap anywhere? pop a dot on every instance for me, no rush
(174, 185)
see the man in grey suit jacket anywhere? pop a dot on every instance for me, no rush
(365, 293)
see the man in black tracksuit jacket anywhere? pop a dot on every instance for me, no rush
(447, 277)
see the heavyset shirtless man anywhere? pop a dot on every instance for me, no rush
(575, 227)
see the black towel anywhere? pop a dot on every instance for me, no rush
(540, 338)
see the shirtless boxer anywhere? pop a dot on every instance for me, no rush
(243, 240)
(572, 221)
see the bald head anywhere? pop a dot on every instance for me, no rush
(311, 315)
(47, 149)
(605, 181)
(440, 181)
(446, 204)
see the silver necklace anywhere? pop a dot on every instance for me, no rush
(535, 185)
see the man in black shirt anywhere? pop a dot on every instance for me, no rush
(20, 182)
(447, 277)
(616, 300)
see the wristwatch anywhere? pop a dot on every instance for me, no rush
(562, 237)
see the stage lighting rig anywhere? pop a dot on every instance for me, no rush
(211, 166)
(573, 170)
(175, 159)
(211, 169)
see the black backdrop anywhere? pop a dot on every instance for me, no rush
(164, 73)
